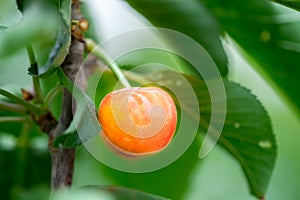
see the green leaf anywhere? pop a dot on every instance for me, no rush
(183, 169)
(270, 37)
(68, 139)
(9, 13)
(190, 18)
(247, 133)
(108, 82)
(62, 44)
(85, 120)
(31, 28)
(295, 4)
(248, 136)
(25, 159)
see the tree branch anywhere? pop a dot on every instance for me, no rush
(63, 159)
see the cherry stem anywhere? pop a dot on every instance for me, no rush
(92, 47)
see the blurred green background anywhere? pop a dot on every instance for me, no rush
(25, 161)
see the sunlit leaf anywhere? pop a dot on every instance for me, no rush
(295, 4)
(269, 36)
(190, 18)
(31, 28)
(9, 13)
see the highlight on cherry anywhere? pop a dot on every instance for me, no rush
(138, 120)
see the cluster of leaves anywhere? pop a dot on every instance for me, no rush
(260, 28)
(44, 27)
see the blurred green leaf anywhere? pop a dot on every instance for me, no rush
(295, 4)
(63, 41)
(47, 85)
(145, 56)
(37, 168)
(122, 193)
(247, 132)
(190, 18)
(104, 193)
(269, 34)
(68, 139)
(85, 119)
(17, 62)
(37, 192)
(30, 28)
(9, 13)
(100, 84)
(159, 182)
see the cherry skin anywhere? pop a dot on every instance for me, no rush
(138, 120)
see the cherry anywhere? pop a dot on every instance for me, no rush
(138, 120)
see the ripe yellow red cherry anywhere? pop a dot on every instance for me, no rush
(138, 120)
